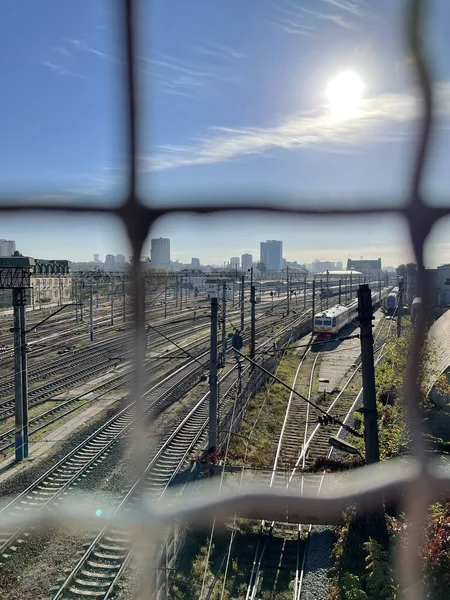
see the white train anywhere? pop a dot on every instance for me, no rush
(330, 322)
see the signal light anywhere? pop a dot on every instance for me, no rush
(326, 420)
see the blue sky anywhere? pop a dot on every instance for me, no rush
(233, 99)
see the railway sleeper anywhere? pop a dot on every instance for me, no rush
(92, 582)
(80, 592)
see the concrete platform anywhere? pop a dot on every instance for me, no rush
(338, 357)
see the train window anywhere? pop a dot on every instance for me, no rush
(318, 322)
(334, 322)
(327, 322)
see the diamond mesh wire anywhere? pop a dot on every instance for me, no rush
(423, 480)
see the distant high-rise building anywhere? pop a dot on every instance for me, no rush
(110, 262)
(160, 251)
(7, 248)
(271, 254)
(96, 258)
(339, 265)
(195, 263)
(235, 262)
(120, 259)
(246, 261)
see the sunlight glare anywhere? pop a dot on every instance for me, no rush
(344, 94)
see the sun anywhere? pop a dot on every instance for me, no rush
(344, 93)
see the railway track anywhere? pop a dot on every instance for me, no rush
(102, 564)
(49, 487)
(60, 477)
(66, 407)
(294, 453)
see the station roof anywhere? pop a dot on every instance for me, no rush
(340, 273)
(17, 261)
(439, 336)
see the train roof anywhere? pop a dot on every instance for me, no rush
(335, 311)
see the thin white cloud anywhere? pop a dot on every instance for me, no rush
(83, 46)
(354, 7)
(219, 51)
(296, 19)
(60, 70)
(182, 77)
(308, 129)
(62, 50)
(336, 19)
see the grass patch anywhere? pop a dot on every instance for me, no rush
(267, 409)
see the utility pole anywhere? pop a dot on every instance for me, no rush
(321, 293)
(287, 290)
(224, 322)
(242, 303)
(76, 300)
(112, 300)
(181, 291)
(24, 372)
(176, 291)
(91, 318)
(379, 288)
(20, 442)
(304, 292)
(212, 442)
(124, 298)
(165, 299)
(340, 291)
(81, 301)
(252, 322)
(400, 306)
(313, 302)
(328, 288)
(351, 286)
(365, 315)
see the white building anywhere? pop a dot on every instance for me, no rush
(160, 253)
(246, 261)
(120, 259)
(235, 262)
(110, 262)
(7, 248)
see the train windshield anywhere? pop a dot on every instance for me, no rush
(327, 322)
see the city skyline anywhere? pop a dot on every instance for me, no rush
(186, 257)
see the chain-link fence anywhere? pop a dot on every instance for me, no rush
(422, 481)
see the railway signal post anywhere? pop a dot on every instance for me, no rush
(252, 322)
(313, 303)
(242, 303)
(212, 440)
(365, 315)
(400, 307)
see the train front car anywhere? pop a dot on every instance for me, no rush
(416, 307)
(330, 322)
(323, 327)
(391, 302)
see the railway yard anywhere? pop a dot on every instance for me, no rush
(83, 418)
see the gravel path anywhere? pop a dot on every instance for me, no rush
(318, 563)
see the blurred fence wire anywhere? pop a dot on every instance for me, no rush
(423, 481)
